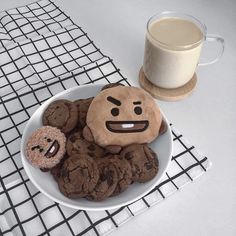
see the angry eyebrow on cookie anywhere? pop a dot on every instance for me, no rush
(137, 103)
(113, 100)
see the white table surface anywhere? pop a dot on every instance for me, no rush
(207, 118)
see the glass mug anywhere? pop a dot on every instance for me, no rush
(172, 48)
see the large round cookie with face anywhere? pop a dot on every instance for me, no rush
(123, 115)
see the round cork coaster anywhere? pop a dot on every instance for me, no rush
(167, 94)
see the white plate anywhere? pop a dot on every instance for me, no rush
(47, 185)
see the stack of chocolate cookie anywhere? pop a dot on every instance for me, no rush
(87, 169)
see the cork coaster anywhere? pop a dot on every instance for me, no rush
(167, 94)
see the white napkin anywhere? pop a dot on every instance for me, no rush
(42, 53)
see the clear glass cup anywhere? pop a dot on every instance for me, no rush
(170, 64)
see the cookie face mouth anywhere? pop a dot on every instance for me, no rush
(127, 126)
(53, 149)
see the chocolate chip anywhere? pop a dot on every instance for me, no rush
(148, 166)
(128, 156)
(91, 154)
(72, 138)
(109, 177)
(64, 174)
(103, 177)
(91, 147)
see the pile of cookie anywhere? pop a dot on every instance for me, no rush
(80, 163)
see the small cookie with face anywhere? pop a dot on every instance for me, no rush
(46, 147)
(123, 115)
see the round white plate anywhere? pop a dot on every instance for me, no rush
(46, 184)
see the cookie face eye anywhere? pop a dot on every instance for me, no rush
(35, 147)
(138, 110)
(48, 139)
(115, 111)
(38, 148)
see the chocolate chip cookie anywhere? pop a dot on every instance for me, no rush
(79, 176)
(143, 161)
(62, 114)
(111, 85)
(56, 170)
(82, 108)
(107, 182)
(124, 172)
(76, 144)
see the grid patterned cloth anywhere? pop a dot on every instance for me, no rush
(42, 53)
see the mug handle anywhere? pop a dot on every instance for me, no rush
(218, 39)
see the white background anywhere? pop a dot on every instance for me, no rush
(207, 118)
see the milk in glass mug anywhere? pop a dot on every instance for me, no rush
(173, 47)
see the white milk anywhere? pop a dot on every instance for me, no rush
(172, 51)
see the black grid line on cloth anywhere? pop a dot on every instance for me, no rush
(63, 45)
(19, 171)
(19, 27)
(38, 17)
(189, 150)
(20, 72)
(172, 178)
(32, 19)
(74, 75)
(110, 216)
(13, 209)
(91, 223)
(178, 137)
(36, 73)
(14, 125)
(65, 220)
(20, 203)
(94, 224)
(59, 10)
